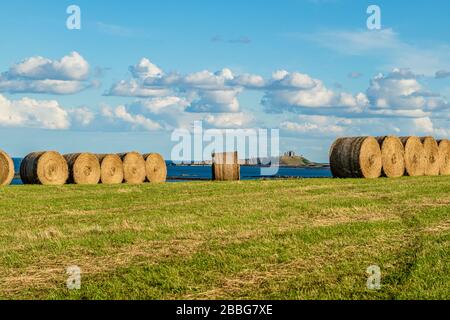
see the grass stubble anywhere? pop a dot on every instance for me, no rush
(281, 239)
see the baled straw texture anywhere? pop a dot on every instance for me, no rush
(46, 168)
(156, 168)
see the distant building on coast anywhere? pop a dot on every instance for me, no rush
(289, 154)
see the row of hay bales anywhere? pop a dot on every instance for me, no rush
(52, 168)
(389, 156)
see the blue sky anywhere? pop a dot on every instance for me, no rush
(310, 68)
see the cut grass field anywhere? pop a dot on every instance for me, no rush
(292, 239)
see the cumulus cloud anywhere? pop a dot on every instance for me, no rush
(70, 67)
(329, 127)
(133, 88)
(58, 87)
(43, 114)
(172, 99)
(218, 92)
(165, 113)
(41, 75)
(163, 105)
(399, 93)
(250, 81)
(394, 103)
(82, 117)
(229, 120)
(168, 111)
(206, 91)
(320, 126)
(145, 69)
(121, 117)
(215, 101)
(297, 92)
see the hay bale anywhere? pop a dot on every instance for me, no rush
(133, 167)
(155, 167)
(84, 168)
(392, 156)
(444, 150)
(111, 168)
(414, 156)
(226, 167)
(432, 156)
(6, 169)
(46, 168)
(356, 157)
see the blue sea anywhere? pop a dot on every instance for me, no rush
(192, 173)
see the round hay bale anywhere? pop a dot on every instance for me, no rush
(156, 168)
(414, 156)
(46, 168)
(444, 150)
(6, 169)
(84, 168)
(111, 168)
(133, 167)
(358, 157)
(392, 156)
(432, 156)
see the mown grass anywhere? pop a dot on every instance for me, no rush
(292, 239)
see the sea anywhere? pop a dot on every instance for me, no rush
(199, 173)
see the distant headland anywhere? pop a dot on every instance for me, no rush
(288, 159)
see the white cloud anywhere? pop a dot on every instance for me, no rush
(424, 125)
(164, 104)
(216, 101)
(295, 92)
(285, 80)
(324, 127)
(41, 75)
(70, 67)
(400, 94)
(218, 92)
(45, 114)
(391, 103)
(319, 126)
(59, 87)
(229, 120)
(206, 91)
(82, 116)
(207, 80)
(146, 69)
(133, 88)
(120, 115)
(250, 81)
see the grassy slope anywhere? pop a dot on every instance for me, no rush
(298, 239)
(294, 161)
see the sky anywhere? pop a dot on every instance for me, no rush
(137, 71)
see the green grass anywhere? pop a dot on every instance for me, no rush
(293, 239)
